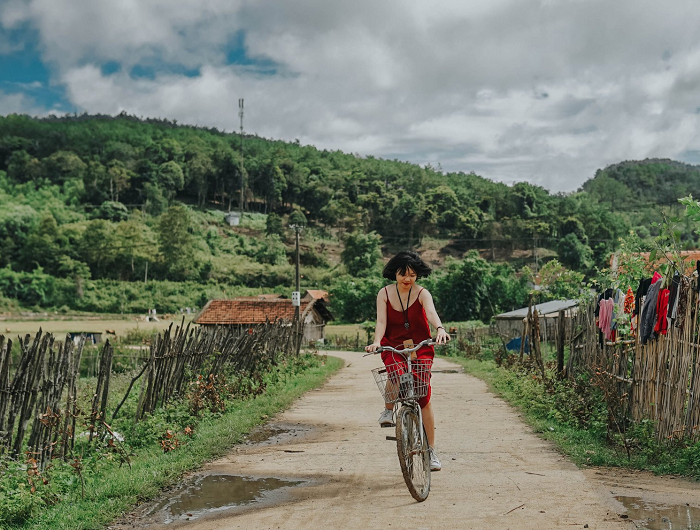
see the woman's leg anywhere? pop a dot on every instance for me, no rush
(429, 423)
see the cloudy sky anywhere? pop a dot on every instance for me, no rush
(540, 90)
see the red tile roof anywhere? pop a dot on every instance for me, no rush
(316, 294)
(245, 311)
(262, 297)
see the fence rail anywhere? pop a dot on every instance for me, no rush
(660, 380)
(38, 395)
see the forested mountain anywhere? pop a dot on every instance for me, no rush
(651, 181)
(87, 199)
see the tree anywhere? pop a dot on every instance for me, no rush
(575, 254)
(557, 282)
(135, 241)
(42, 246)
(176, 244)
(171, 179)
(62, 166)
(361, 253)
(199, 171)
(355, 299)
(22, 167)
(97, 247)
(154, 200)
(297, 218)
(112, 211)
(273, 224)
(118, 177)
(473, 289)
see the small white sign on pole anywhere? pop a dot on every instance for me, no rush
(296, 299)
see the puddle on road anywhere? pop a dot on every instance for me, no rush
(655, 516)
(265, 433)
(274, 433)
(214, 492)
(446, 371)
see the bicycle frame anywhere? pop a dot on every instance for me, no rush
(407, 377)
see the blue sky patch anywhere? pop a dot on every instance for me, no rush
(690, 157)
(150, 71)
(111, 67)
(23, 71)
(237, 54)
(24, 65)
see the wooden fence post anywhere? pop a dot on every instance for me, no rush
(561, 332)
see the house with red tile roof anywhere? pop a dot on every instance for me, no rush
(247, 311)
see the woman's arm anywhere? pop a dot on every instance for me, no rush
(426, 299)
(380, 329)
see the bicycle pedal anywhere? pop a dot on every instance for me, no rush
(392, 438)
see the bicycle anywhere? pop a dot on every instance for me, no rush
(406, 384)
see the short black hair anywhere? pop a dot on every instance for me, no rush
(407, 259)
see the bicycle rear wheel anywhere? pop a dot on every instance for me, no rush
(413, 454)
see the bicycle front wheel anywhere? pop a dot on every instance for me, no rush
(413, 453)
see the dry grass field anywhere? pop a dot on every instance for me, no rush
(12, 328)
(345, 330)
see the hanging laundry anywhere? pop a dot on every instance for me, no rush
(662, 312)
(647, 318)
(608, 293)
(629, 301)
(673, 297)
(618, 300)
(605, 316)
(641, 293)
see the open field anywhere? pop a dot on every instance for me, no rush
(58, 327)
(122, 325)
(345, 330)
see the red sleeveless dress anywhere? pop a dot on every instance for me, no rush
(396, 333)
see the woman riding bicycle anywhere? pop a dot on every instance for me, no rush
(403, 315)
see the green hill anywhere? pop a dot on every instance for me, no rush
(93, 206)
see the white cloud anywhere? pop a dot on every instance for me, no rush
(539, 90)
(18, 103)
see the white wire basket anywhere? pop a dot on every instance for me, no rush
(396, 384)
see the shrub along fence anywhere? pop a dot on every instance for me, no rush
(659, 380)
(38, 401)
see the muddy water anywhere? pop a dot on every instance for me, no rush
(213, 492)
(655, 516)
(275, 433)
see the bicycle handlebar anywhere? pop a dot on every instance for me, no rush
(404, 351)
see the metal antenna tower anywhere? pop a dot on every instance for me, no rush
(240, 114)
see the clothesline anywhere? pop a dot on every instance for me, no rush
(658, 304)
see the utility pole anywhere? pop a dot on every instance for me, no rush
(296, 295)
(240, 113)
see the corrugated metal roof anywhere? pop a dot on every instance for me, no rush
(542, 309)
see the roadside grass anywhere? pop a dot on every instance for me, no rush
(112, 489)
(574, 415)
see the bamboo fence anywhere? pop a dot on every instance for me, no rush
(38, 394)
(660, 380)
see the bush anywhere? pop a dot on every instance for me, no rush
(474, 289)
(355, 299)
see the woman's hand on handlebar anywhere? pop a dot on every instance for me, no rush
(373, 347)
(442, 336)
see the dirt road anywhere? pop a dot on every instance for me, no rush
(496, 473)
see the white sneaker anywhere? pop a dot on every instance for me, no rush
(386, 419)
(435, 464)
